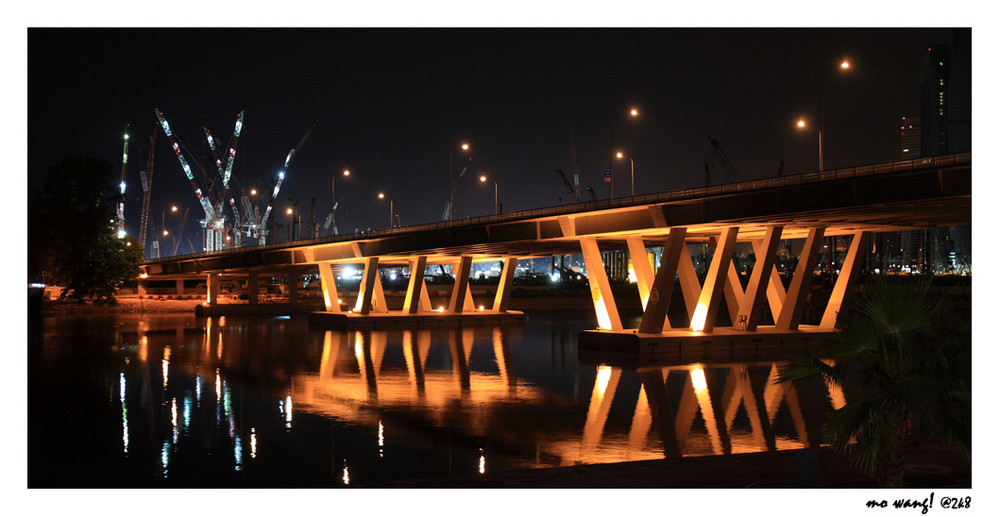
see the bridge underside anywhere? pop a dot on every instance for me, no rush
(761, 214)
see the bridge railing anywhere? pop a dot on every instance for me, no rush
(641, 199)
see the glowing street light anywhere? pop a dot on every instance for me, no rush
(844, 65)
(333, 197)
(451, 180)
(632, 163)
(392, 215)
(633, 112)
(496, 193)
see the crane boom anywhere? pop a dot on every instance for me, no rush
(727, 166)
(205, 204)
(232, 150)
(281, 177)
(147, 186)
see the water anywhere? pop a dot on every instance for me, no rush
(180, 401)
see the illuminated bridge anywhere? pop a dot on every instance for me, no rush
(853, 203)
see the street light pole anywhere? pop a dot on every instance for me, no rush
(496, 195)
(632, 164)
(844, 65)
(392, 217)
(451, 181)
(634, 113)
(333, 202)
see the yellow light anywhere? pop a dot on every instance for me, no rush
(289, 211)
(143, 275)
(801, 123)
(482, 178)
(165, 233)
(634, 112)
(700, 315)
(603, 377)
(253, 192)
(347, 172)
(603, 317)
(381, 195)
(619, 155)
(698, 381)
(173, 208)
(465, 147)
(845, 65)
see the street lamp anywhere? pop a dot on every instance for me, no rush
(633, 112)
(291, 222)
(844, 65)
(632, 163)
(451, 180)
(496, 194)
(333, 197)
(392, 212)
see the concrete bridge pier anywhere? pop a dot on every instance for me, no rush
(722, 285)
(371, 310)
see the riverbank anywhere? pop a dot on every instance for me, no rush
(928, 465)
(126, 305)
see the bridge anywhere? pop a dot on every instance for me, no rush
(853, 203)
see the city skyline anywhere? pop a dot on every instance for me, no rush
(393, 105)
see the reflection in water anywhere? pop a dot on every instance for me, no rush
(441, 397)
(121, 395)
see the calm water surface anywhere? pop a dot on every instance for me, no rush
(177, 400)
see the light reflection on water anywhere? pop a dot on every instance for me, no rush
(389, 405)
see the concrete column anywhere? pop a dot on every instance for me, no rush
(212, 284)
(367, 287)
(142, 289)
(753, 299)
(416, 287)
(179, 286)
(641, 266)
(711, 292)
(690, 286)
(506, 284)
(460, 293)
(791, 310)
(847, 280)
(600, 289)
(328, 283)
(654, 318)
(293, 289)
(252, 287)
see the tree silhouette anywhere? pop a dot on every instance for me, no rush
(71, 234)
(904, 362)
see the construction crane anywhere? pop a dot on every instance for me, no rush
(716, 154)
(121, 202)
(261, 230)
(226, 174)
(574, 193)
(147, 184)
(214, 223)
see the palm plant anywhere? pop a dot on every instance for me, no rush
(901, 358)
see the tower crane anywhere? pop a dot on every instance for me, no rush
(227, 173)
(717, 154)
(213, 222)
(147, 185)
(262, 228)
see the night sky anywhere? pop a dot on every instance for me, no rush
(391, 104)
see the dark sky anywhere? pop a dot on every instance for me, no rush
(391, 104)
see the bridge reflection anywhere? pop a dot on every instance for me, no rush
(473, 391)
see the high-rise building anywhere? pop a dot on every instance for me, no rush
(909, 136)
(946, 97)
